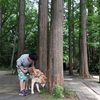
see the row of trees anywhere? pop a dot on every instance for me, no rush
(84, 36)
(59, 31)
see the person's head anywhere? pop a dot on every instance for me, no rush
(33, 56)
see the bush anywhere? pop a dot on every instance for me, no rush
(58, 91)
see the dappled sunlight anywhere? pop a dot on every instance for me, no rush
(74, 83)
(95, 76)
(68, 79)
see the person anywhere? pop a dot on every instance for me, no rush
(23, 63)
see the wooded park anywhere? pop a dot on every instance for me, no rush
(59, 31)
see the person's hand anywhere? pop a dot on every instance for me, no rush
(35, 73)
(25, 71)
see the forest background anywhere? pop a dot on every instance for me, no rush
(20, 21)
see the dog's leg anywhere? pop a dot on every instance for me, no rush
(26, 85)
(32, 86)
(29, 85)
(37, 86)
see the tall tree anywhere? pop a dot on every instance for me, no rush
(21, 35)
(73, 35)
(55, 70)
(90, 24)
(83, 46)
(0, 17)
(98, 3)
(43, 21)
(70, 36)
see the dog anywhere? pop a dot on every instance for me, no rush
(32, 80)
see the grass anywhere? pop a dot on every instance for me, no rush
(59, 93)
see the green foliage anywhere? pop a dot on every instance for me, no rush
(9, 25)
(9, 10)
(65, 41)
(93, 38)
(4, 68)
(57, 92)
(93, 44)
(43, 91)
(31, 28)
(67, 92)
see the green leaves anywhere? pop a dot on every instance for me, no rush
(58, 91)
(93, 44)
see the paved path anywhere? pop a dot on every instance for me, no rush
(9, 88)
(86, 89)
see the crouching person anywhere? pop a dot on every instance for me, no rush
(23, 63)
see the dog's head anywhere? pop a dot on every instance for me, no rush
(43, 80)
(42, 77)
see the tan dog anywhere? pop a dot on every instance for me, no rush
(40, 79)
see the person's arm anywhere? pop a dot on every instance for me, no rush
(34, 70)
(22, 69)
(19, 65)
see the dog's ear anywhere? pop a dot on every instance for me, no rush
(45, 78)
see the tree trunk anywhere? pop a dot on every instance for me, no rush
(21, 35)
(12, 58)
(43, 23)
(83, 47)
(55, 70)
(70, 37)
(0, 18)
(90, 23)
(99, 35)
(73, 37)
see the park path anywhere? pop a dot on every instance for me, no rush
(86, 89)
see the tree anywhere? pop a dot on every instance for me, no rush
(43, 21)
(21, 35)
(83, 46)
(90, 25)
(0, 17)
(70, 36)
(55, 66)
(73, 35)
(98, 2)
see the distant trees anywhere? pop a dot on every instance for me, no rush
(27, 28)
(93, 35)
(21, 27)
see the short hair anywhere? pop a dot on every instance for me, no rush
(33, 56)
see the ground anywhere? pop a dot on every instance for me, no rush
(84, 89)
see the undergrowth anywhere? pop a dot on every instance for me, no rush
(4, 68)
(58, 93)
